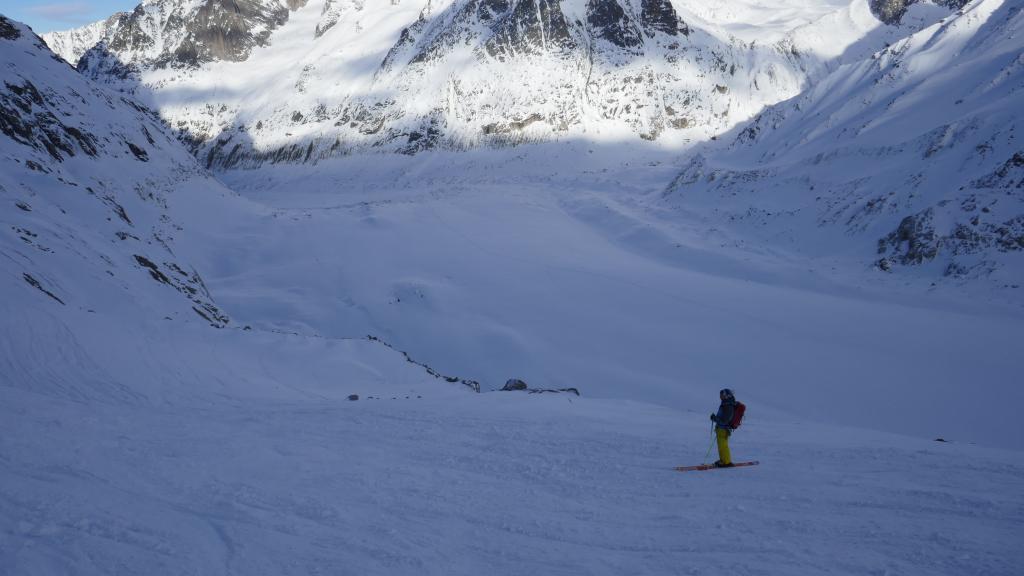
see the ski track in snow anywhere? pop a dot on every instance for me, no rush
(501, 483)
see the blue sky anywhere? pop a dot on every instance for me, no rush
(49, 15)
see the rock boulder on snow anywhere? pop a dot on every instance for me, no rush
(517, 385)
(514, 384)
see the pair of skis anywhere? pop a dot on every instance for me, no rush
(713, 467)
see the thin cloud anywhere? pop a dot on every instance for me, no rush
(68, 12)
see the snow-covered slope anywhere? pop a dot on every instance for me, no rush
(494, 484)
(106, 238)
(88, 178)
(550, 265)
(911, 157)
(336, 76)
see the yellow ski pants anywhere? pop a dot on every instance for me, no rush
(723, 446)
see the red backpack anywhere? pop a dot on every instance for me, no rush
(737, 415)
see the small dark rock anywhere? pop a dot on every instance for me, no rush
(353, 397)
(36, 284)
(155, 272)
(7, 30)
(660, 16)
(915, 237)
(514, 384)
(889, 11)
(609, 21)
(556, 391)
(139, 153)
(955, 270)
(679, 123)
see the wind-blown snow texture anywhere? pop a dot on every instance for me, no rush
(176, 359)
(485, 484)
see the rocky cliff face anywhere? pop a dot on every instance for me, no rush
(336, 76)
(332, 77)
(228, 30)
(161, 33)
(892, 11)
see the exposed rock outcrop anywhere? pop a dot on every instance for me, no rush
(517, 385)
(176, 33)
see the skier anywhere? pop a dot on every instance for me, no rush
(723, 426)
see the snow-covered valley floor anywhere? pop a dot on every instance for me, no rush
(133, 444)
(563, 267)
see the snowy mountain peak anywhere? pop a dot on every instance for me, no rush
(275, 81)
(160, 33)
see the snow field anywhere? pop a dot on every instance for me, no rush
(491, 267)
(499, 483)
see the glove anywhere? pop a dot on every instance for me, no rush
(712, 417)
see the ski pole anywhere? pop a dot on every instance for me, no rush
(705, 461)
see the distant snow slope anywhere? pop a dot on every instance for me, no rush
(910, 158)
(337, 76)
(552, 265)
(104, 242)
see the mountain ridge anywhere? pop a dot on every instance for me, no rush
(416, 75)
(912, 152)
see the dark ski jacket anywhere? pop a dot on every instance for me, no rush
(725, 412)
